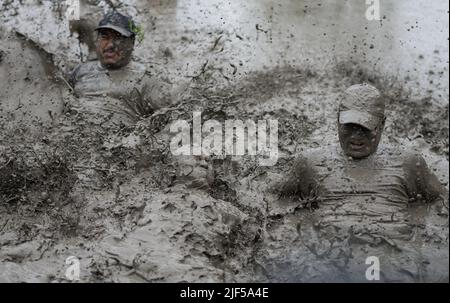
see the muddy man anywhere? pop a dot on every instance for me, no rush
(114, 84)
(361, 180)
(362, 188)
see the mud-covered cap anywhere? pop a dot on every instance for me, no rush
(118, 22)
(362, 104)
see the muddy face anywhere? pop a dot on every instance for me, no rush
(357, 141)
(114, 50)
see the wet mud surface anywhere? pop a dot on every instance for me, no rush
(117, 199)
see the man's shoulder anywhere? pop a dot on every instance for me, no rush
(95, 66)
(407, 159)
(85, 68)
(320, 155)
(90, 65)
(400, 154)
(385, 154)
(136, 67)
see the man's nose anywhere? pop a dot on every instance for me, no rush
(357, 132)
(108, 42)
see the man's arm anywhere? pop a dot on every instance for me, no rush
(424, 185)
(72, 76)
(301, 181)
(156, 93)
(159, 92)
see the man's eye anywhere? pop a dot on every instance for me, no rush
(347, 129)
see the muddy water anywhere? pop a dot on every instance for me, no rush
(126, 221)
(410, 41)
(237, 37)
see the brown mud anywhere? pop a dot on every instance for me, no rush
(118, 200)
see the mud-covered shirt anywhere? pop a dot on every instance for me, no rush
(370, 196)
(121, 93)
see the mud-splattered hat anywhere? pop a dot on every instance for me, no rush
(118, 22)
(362, 104)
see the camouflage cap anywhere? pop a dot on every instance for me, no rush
(362, 104)
(118, 22)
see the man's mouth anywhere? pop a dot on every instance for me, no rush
(109, 53)
(355, 145)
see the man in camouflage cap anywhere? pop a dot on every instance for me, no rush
(363, 188)
(115, 86)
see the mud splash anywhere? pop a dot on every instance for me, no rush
(120, 202)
